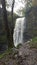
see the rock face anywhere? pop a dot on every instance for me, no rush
(31, 19)
(34, 2)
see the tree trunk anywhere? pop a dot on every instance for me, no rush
(6, 24)
(12, 21)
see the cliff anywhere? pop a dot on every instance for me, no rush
(31, 20)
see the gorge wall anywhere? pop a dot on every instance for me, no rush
(31, 20)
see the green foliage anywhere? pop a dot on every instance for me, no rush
(6, 53)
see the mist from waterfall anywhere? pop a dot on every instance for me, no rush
(20, 27)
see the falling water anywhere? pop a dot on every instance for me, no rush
(20, 27)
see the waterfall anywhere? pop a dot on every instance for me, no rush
(20, 27)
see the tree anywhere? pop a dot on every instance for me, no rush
(12, 30)
(6, 23)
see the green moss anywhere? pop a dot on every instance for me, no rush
(33, 43)
(34, 39)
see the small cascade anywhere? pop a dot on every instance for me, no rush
(20, 28)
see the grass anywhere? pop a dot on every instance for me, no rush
(5, 53)
(33, 43)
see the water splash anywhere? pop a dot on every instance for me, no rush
(20, 27)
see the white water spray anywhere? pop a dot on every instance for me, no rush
(20, 27)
